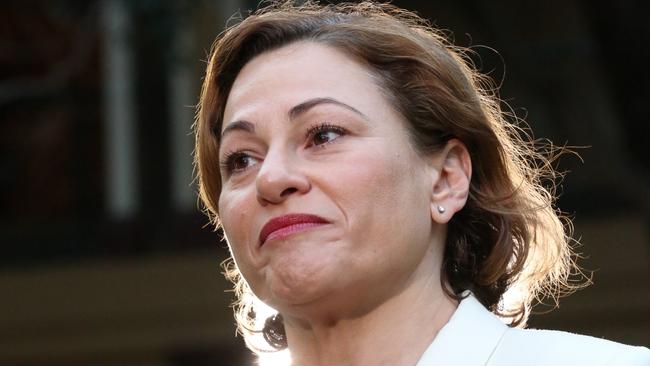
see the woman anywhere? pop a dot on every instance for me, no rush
(374, 195)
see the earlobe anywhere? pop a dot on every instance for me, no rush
(451, 186)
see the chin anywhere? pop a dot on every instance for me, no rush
(293, 287)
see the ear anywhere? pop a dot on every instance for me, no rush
(451, 185)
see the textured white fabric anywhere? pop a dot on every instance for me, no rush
(474, 336)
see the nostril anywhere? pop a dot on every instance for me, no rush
(288, 191)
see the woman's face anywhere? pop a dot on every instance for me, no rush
(324, 203)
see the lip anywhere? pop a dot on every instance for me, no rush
(283, 226)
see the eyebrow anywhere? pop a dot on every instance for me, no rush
(305, 106)
(238, 126)
(294, 113)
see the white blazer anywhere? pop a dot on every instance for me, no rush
(474, 336)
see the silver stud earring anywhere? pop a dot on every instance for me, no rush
(441, 209)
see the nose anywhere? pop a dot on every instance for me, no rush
(279, 177)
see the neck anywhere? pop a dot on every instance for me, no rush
(395, 332)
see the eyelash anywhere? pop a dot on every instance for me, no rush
(323, 127)
(228, 161)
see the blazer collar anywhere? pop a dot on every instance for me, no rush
(469, 338)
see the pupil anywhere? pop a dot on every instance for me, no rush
(321, 137)
(241, 162)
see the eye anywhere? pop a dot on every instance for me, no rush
(237, 162)
(324, 134)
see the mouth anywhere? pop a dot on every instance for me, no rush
(283, 226)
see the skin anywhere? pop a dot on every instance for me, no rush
(359, 289)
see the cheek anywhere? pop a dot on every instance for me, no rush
(237, 225)
(381, 183)
(385, 202)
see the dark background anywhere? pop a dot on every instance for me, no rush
(106, 259)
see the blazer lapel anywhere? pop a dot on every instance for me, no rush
(469, 338)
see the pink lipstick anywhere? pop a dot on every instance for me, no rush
(286, 225)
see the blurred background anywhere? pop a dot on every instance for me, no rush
(106, 259)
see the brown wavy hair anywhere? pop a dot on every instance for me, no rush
(508, 239)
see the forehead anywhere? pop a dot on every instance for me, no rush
(277, 80)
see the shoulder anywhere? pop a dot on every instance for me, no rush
(472, 327)
(548, 347)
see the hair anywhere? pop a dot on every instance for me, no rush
(509, 239)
